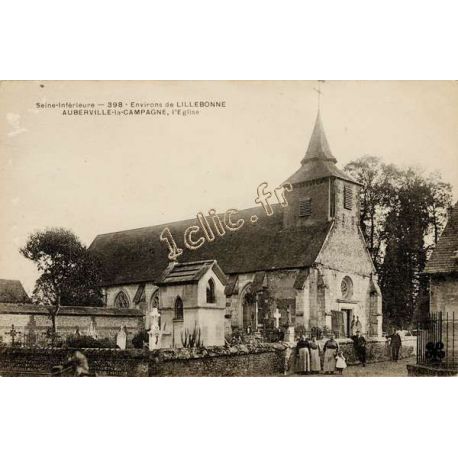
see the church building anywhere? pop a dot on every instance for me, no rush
(305, 266)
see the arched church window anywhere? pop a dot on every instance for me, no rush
(249, 309)
(121, 300)
(211, 298)
(154, 302)
(178, 308)
(346, 287)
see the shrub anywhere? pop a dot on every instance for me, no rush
(140, 339)
(191, 339)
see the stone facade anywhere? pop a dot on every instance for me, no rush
(444, 294)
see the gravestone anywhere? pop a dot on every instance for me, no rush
(121, 338)
(155, 332)
(91, 331)
(31, 337)
(13, 334)
(289, 335)
(277, 316)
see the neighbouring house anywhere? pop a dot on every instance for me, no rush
(306, 265)
(12, 292)
(442, 268)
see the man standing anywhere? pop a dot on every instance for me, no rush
(353, 327)
(395, 344)
(359, 326)
(359, 343)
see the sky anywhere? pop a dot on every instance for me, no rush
(99, 174)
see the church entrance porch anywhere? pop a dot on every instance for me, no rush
(341, 322)
(347, 318)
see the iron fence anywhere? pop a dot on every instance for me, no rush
(436, 340)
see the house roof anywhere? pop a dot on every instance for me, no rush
(12, 292)
(444, 258)
(138, 255)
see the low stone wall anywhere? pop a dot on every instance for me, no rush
(240, 360)
(32, 321)
(32, 362)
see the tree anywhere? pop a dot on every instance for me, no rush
(70, 274)
(402, 214)
(370, 172)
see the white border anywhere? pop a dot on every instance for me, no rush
(228, 40)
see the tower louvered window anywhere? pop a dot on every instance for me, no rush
(348, 197)
(305, 207)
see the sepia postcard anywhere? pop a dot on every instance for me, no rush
(228, 228)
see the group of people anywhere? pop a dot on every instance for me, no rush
(308, 358)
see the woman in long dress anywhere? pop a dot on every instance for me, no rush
(303, 356)
(315, 362)
(331, 347)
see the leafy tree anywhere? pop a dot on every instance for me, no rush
(370, 172)
(70, 274)
(402, 214)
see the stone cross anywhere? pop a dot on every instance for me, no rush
(12, 333)
(154, 333)
(91, 330)
(121, 338)
(276, 317)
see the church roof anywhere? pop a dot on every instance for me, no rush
(318, 148)
(138, 255)
(444, 258)
(12, 292)
(318, 161)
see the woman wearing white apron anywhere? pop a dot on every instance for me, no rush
(331, 347)
(303, 356)
(315, 362)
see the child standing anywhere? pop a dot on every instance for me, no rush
(340, 362)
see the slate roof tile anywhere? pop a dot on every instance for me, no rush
(444, 258)
(138, 255)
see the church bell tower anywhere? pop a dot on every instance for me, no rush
(321, 191)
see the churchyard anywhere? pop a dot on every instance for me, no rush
(119, 357)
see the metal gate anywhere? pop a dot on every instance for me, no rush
(436, 340)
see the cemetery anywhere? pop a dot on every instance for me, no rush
(112, 352)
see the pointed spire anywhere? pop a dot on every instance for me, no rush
(318, 148)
